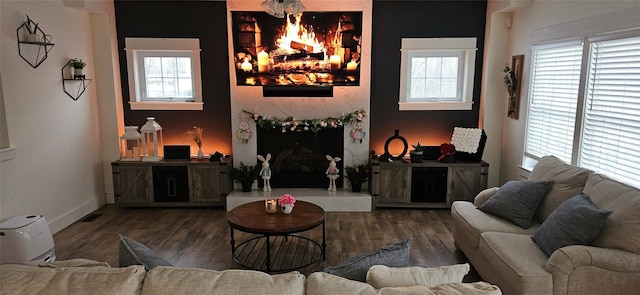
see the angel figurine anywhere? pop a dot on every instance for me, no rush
(333, 172)
(265, 172)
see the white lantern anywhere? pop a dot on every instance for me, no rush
(130, 144)
(151, 140)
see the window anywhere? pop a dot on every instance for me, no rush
(585, 105)
(164, 74)
(553, 99)
(437, 73)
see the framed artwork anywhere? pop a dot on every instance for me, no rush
(515, 75)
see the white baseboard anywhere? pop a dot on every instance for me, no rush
(74, 215)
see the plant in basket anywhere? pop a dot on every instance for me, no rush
(417, 153)
(357, 175)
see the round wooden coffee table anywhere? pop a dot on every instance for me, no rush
(277, 248)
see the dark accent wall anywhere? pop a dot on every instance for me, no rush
(394, 20)
(206, 20)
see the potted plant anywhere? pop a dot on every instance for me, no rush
(245, 175)
(32, 31)
(356, 176)
(78, 67)
(417, 153)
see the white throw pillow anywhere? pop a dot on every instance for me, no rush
(380, 276)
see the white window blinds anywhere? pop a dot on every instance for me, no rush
(611, 128)
(553, 98)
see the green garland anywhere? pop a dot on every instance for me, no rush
(289, 124)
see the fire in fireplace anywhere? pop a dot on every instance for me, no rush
(314, 48)
(298, 159)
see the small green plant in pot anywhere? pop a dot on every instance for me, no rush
(417, 153)
(357, 175)
(245, 175)
(78, 67)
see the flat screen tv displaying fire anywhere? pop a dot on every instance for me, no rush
(312, 48)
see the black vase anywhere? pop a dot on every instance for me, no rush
(356, 187)
(246, 186)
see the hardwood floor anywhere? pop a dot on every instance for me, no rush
(199, 237)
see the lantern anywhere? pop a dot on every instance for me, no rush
(151, 140)
(130, 143)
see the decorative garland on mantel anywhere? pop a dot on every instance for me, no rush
(291, 124)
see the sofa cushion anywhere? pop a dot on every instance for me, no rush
(25, 279)
(568, 181)
(577, 221)
(518, 262)
(517, 201)
(356, 268)
(320, 283)
(380, 276)
(470, 222)
(77, 262)
(623, 225)
(174, 280)
(133, 252)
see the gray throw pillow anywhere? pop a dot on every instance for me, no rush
(577, 221)
(135, 253)
(517, 201)
(356, 268)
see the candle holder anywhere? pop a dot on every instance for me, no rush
(271, 206)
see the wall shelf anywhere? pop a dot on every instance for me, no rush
(33, 51)
(74, 88)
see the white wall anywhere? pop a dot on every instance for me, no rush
(58, 167)
(553, 19)
(345, 99)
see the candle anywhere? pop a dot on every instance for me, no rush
(263, 62)
(246, 65)
(270, 205)
(335, 62)
(352, 66)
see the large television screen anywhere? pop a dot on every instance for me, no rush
(312, 48)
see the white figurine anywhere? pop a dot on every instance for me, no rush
(333, 172)
(265, 172)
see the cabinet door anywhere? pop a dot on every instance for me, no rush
(393, 186)
(132, 184)
(466, 183)
(209, 183)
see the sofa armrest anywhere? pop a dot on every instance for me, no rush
(484, 195)
(576, 267)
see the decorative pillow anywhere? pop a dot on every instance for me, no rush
(577, 221)
(517, 201)
(135, 253)
(356, 268)
(380, 276)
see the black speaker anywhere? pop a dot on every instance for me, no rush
(177, 152)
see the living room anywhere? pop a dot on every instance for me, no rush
(57, 151)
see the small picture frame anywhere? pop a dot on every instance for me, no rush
(514, 96)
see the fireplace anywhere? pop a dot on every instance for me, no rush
(298, 159)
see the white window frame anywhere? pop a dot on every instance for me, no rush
(137, 48)
(582, 108)
(463, 48)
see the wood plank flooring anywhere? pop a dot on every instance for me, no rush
(199, 237)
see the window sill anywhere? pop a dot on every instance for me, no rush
(167, 106)
(435, 106)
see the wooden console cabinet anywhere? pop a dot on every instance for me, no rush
(207, 183)
(391, 182)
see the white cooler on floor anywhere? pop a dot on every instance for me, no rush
(26, 239)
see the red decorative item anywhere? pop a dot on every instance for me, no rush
(446, 149)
